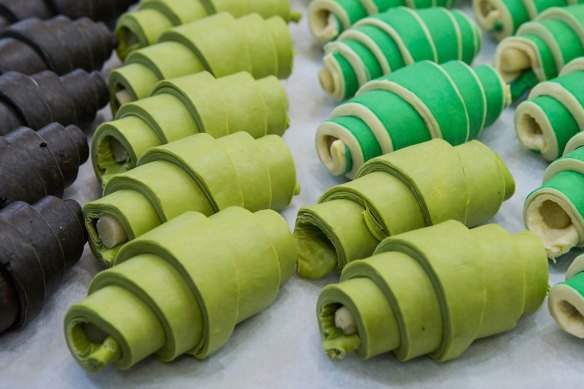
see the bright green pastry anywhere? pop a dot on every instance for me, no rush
(387, 42)
(553, 113)
(412, 188)
(181, 289)
(566, 300)
(143, 27)
(187, 106)
(433, 292)
(502, 18)
(541, 48)
(555, 210)
(219, 44)
(198, 173)
(413, 105)
(329, 18)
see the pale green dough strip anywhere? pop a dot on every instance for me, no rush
(433, 292)
(541, 48)
(555, 210)
(396, 193)
(502, 18)
(408, 107)
(329, 18)
(553, 113)
(198, 173)
(143, 27)
(387, 42)
(186, 106)
(566, 300)
(181, 289)
(219, 44)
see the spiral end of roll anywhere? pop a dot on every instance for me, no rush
(549, 220)
(323, 25)
(332, 152)
(529, 130)
(93, 349)
(493, 17)
(566, 305)
(512, 61)
(329, 78)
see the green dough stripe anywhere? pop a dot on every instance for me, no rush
(198, 173)
(182, 288)
(219, 44)
(434, 291)
(329, 18)
(553, 112)
(143, 27)
(566, 299)
(541, 48)
(389, 41)
(452, 101)
(502, 18)
(396, 193)
(189, 105)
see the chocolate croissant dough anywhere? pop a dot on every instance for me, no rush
(144, 27)
(553, 112)
(541, 48)
(38, 164)
(566, 300)
(396, 193)
(381, 44)
(187, 106)
(38, 244)
(329, 18)
(415, 104)
(433, 292)
(43, 98)
(59, 44)
(555, 210)
(218, 44)
(502, 18)
(197, 173)
(182, 288)
(107, 11)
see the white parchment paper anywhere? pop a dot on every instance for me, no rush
(280, 347)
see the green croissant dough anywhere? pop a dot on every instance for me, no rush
(187, 106)
(413, 105)
(144, 26)
(566, 300)
(553, 113)
(541, 48)
(328, 18)
(412, 188)
(555, 211)
(197, 173)
(433, 292)
(502, 18)
(219, 44)
(182, 288)
(395, 39)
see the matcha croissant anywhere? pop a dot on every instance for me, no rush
(182, 288)
(502, 18)
(329, 18)
(433, 292)
(219, 44)
(187, 106)
(143, 27)
(197, 173)
(566, 300)
(553, 113)
(382, 44)
(541, 48)
(412, 188)
(555, 210)
(413, 105)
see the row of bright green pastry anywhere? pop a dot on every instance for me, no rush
(185, 164)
